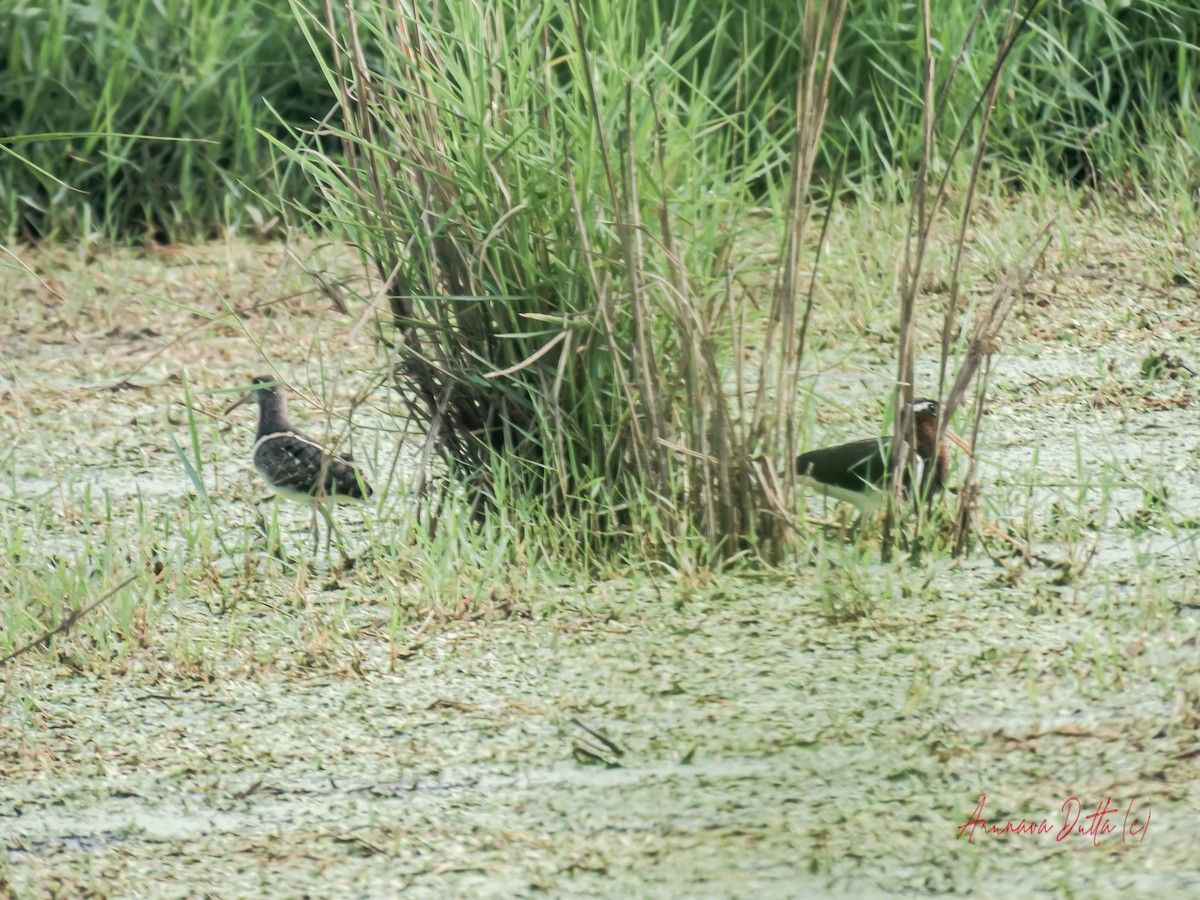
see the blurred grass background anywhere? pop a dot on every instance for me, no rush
(1103, 94)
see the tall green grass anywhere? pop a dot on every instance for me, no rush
(546, 201)
(142, 115)
(139, 116)
(545, 198)
(1095, 93)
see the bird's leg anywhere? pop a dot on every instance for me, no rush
(329, 526)
(333, 531)
(852, 532)
(260, 522)
(313, 530)
(270, 532)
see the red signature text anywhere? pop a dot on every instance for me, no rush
(1105, 820)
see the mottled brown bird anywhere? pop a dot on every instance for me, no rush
(296, 466)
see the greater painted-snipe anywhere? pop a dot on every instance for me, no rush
(293, 464)
(858, 472)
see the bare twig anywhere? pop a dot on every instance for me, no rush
(67, 623)
(921, 218)
(607, 742)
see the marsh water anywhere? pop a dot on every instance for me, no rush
(239, 728)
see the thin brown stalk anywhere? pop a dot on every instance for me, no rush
(921, 219)
(782, 341)
(997, 68)
(67, 623)
(629, 229)
(968, 493)
(948, 319)
(903, 443)
(708, 426)
(989, 322)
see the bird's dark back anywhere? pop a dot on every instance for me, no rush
(847, 466)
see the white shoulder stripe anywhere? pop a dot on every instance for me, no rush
(293, 436)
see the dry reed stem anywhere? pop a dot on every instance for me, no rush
(924, 214)
(678, 441)
(68, 621)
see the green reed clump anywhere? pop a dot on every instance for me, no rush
(543, 193)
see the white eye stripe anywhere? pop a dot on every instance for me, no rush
(921, 406)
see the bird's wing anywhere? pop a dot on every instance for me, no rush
(292, 462)
(850, 466)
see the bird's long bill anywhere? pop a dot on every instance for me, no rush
(960, 443)
(245, 398)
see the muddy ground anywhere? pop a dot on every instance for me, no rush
(235, 727)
